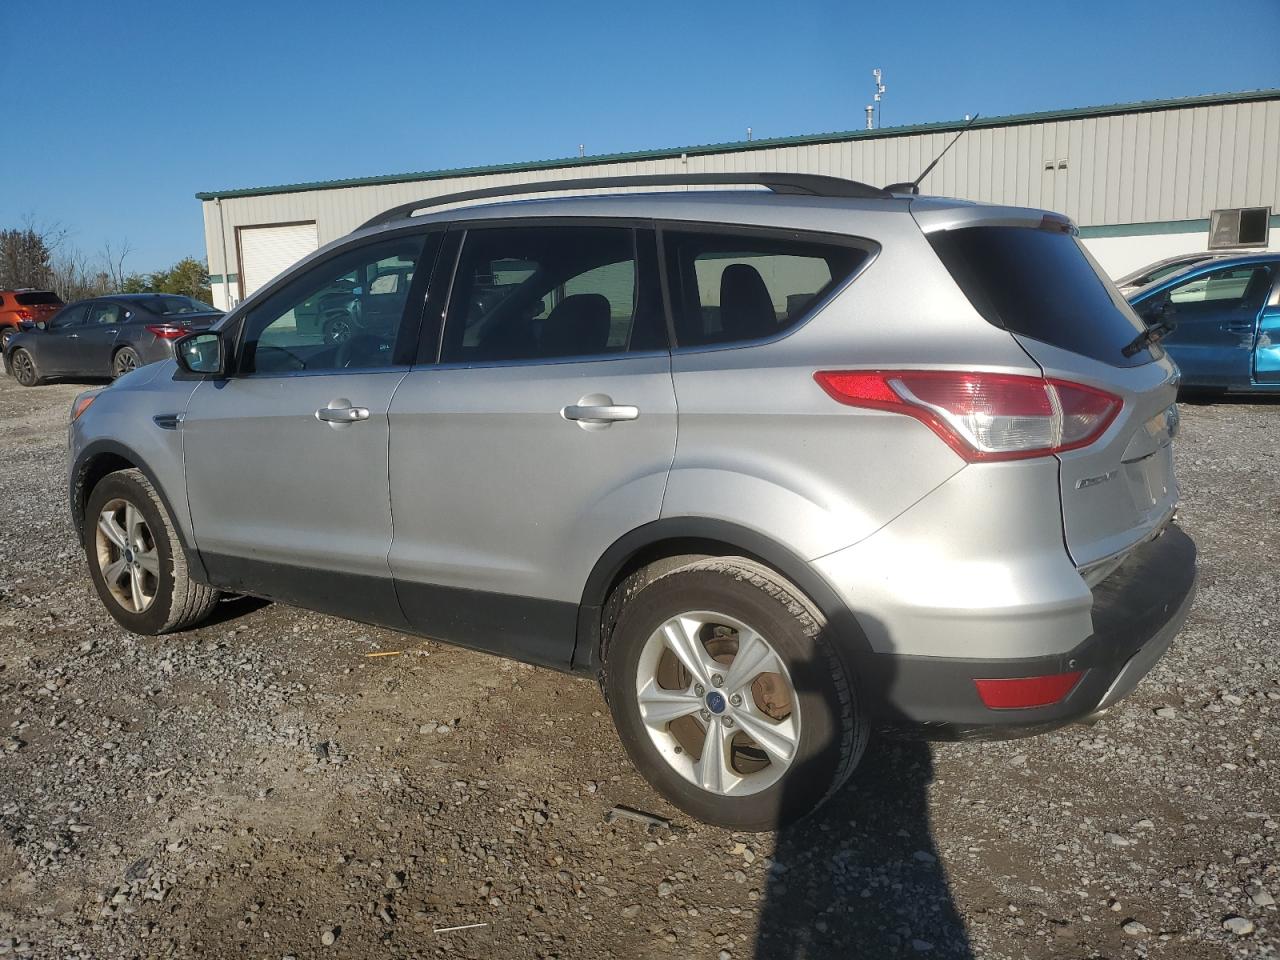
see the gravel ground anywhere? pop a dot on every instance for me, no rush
(270, 786)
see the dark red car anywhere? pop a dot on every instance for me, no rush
(18, 306)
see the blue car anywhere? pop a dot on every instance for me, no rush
(1226, 317)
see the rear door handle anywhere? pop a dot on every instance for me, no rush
(599, 412)
(340, 412)
(1238, 326)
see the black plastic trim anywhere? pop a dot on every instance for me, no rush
(528, 629)
(354, 596)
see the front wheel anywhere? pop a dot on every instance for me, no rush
(729, 695)
(136, 561)
(24, 369)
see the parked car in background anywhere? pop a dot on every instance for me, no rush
(105, 336)
(24, 306)
(1225, 319)
(1132, 282)
(956, 520)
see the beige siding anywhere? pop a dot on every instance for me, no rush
(1171, 164)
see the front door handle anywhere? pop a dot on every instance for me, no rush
(1238, 326)
(600, 413)
(341, 412)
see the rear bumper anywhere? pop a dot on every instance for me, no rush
(1136, 612)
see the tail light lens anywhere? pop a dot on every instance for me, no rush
(166, 331)
(983, 416)
(24, 314)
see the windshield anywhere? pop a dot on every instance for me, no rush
(1040, 283)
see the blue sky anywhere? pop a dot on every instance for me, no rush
(122, 110)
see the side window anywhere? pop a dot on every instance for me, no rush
(69, 317)
(342, 313)
(727, 287)
(105, 313)
(523, 293)
(1244, 287)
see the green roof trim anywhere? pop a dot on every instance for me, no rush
(1158, 226)
(1210, 99)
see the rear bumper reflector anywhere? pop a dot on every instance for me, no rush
(1018, 693)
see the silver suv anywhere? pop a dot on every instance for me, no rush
(778, 467)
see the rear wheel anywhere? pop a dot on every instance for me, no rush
(6, 334)
(23, 365)
(125, 361)
(135, 560)
(729, 695)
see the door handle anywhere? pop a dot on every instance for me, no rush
(600, 413)
(1238, 326)
(341, 412)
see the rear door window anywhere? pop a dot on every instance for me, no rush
(732, 287)
(1041, 284)
(553, 292)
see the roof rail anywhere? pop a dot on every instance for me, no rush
(808, 184)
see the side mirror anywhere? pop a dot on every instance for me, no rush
(202, 354)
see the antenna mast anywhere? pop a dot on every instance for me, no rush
(874, 106)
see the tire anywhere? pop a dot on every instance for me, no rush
(171, 600)
(125, 360)
(23, 367)
(819, 725)
(6, 334)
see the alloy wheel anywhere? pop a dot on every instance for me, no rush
(127, 556)
(124, 362)
(24, 368)
(718, 703)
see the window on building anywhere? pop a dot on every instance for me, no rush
(1239, 227)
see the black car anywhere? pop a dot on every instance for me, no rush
(104, 337)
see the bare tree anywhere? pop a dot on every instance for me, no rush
(114, 257)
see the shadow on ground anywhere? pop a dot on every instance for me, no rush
(861, 877)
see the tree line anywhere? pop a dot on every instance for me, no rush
(41, 257)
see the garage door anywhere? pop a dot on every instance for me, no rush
(267, 251)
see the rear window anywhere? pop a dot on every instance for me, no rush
(172, 306)
(35, 299)
(1041, 284)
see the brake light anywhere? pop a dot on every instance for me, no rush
(24, 314)
(166, 331)
(1021, 692)
(983, 416)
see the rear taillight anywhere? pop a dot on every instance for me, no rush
(24, 314)
(166, 331)
(983, 416)
(1018, 693)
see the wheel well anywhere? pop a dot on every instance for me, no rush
(89, 476)
(661, 555)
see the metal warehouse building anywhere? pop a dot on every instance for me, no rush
(1142, 180)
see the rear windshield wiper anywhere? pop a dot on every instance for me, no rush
(1153, 334)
